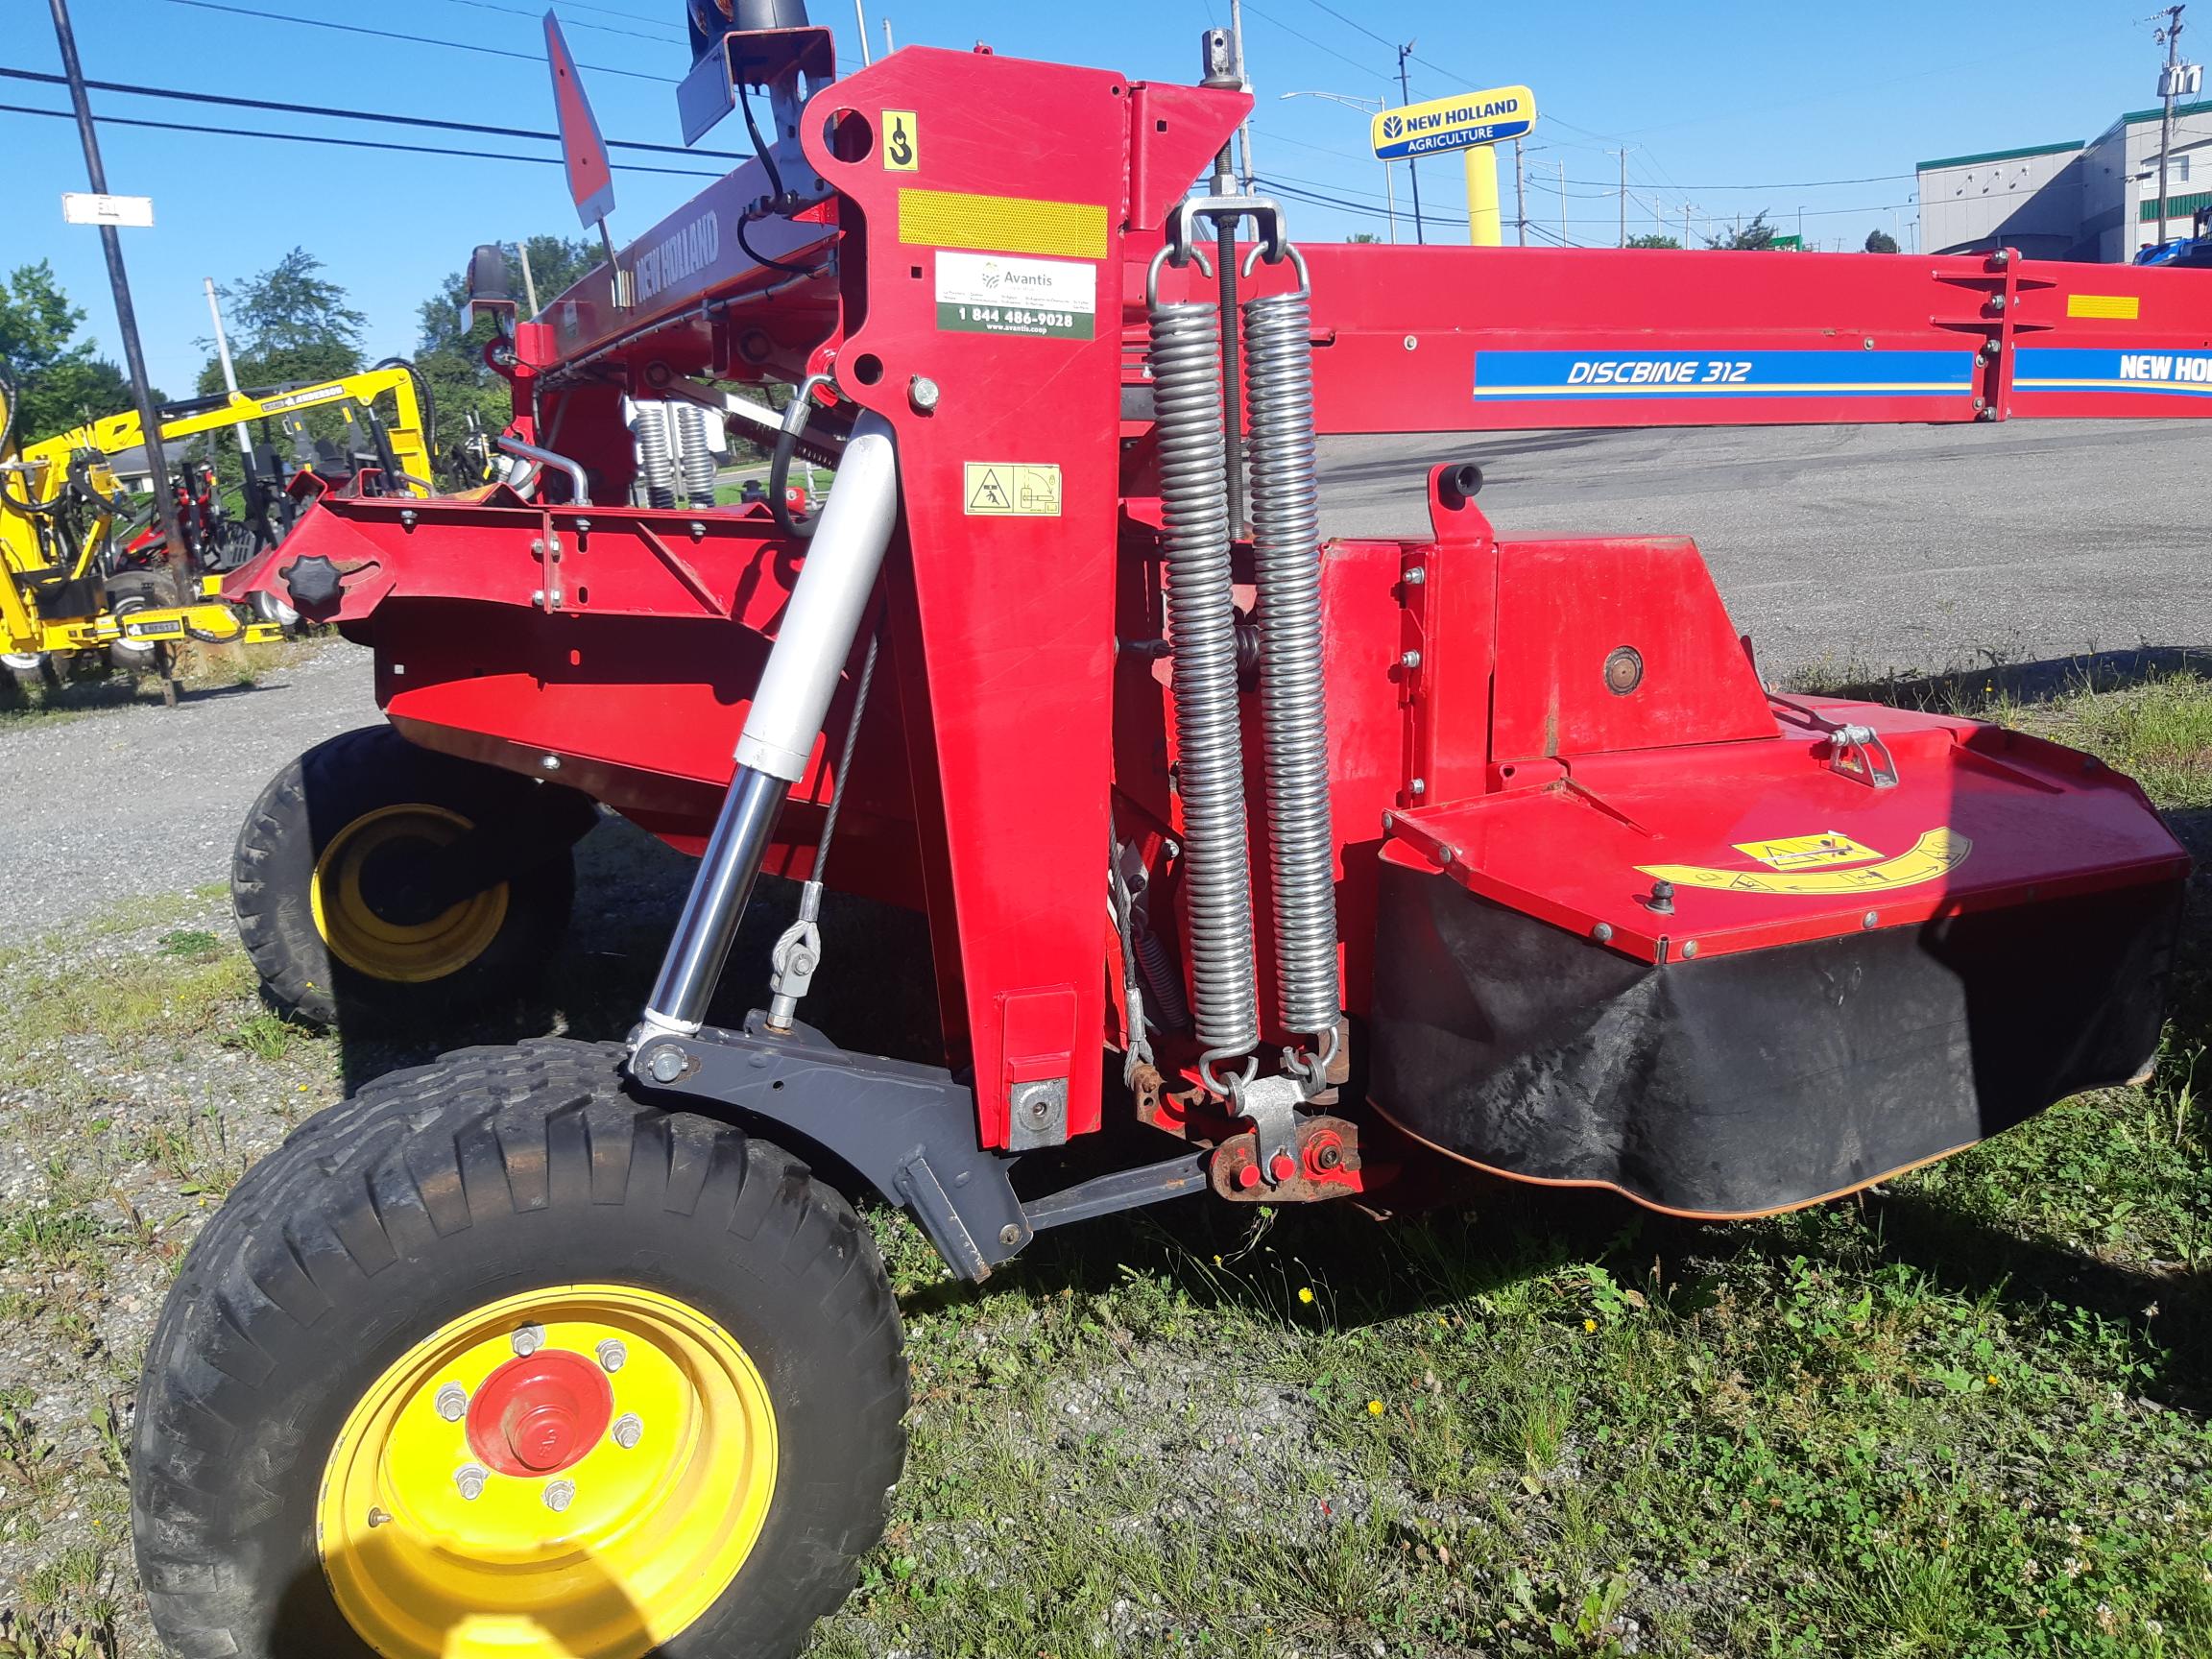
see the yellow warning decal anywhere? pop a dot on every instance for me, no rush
(2125, 307)
(1806, 851)
(1002, 223)
(901, 141)
(1936, 853)
(1010, 490)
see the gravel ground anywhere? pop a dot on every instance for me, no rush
(134, 802)
(1853, 552)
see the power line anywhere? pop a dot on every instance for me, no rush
(1363, 68)
(354, 115)
(661, 40)
(423, 121)
(340, 143)
(410, 40)
(1391, 46)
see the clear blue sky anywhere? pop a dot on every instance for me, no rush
(1728, 106)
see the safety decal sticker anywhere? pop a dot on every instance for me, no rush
(901, 141)
(1010, 490)
(1804, 866)
(989, 294)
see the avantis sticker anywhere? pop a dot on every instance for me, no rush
(1806, 866)
(993, 294)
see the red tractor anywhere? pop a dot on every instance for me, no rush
(1475, 848)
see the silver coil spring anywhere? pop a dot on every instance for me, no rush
(1293, 698)
(1186, 342)
(699, 464)
(656, 458)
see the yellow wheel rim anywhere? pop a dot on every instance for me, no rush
(405, 952)
(651, 1535)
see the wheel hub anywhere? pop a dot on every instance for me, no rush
(539, 1413)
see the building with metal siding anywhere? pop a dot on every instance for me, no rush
(2095, 201)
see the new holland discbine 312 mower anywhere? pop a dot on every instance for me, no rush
(1479, 848)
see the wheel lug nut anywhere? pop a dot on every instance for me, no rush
(378, 1517)
(470, 1479)
(529, 1339)
(560, 1494)
(611, 1355)
(628, 1430)
(452, 1402)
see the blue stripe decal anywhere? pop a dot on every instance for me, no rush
(2075, 369)
(1523, 375)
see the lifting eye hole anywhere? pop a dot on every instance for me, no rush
(849, 136)
(866, 368)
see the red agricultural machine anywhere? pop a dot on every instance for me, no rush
(1478, 848)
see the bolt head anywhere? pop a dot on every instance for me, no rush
(1868, 920)
(560, 1494)
(1010, 1235)
(1170, 848)
(923, 394)
(1330, 1157)
(1603, 932)
(1410, 660)
(1417, 575)
(549, 763)
(378, 1517)
(528, 1340)
(452, 1402)
(468, 1479)
(665, 1064)
(1446, 854)
(628, 1430)
(1419, 786)
(1389, 822)
(612, 1356)
(1689, 948)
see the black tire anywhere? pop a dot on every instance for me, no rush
(492, 1172)
(311, 805)
(138, 590)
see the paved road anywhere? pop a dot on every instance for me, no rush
(146, 800)
(1857, 549)
(1863, 549)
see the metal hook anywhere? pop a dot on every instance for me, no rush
(1194, 255)
(1287, 251)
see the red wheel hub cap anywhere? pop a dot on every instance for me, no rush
(537, 1415)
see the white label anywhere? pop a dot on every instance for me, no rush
(992, 294)
(81, 208)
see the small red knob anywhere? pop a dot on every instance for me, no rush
(1248, 1177)
(1281, 1168)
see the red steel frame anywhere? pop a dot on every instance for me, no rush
(1464, 701)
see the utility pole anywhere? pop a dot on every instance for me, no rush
(180, 574)
(1686, 209)
(529, 281)
(860, 17)
(1623, 154)
(2169, 83)
(1244, 127)
(1520, 195)
(1413, 167)
(1564, 239)
(223, 356)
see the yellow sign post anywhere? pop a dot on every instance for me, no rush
(1472, 122)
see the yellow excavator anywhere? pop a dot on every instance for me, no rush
(86, 568)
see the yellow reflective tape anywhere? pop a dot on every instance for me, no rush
(2126, 307)
(1938, 853)
(1002, 223)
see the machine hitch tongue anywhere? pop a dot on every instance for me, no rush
(819, 626)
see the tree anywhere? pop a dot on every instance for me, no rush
(1363, 236)
(1754, 237)
(288, 323)
(452, 358)
(1651, 241)
(1880, 241)
(58, 381)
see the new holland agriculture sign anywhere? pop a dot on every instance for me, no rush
(1454, 123)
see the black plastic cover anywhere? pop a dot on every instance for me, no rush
(1737, 1084)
